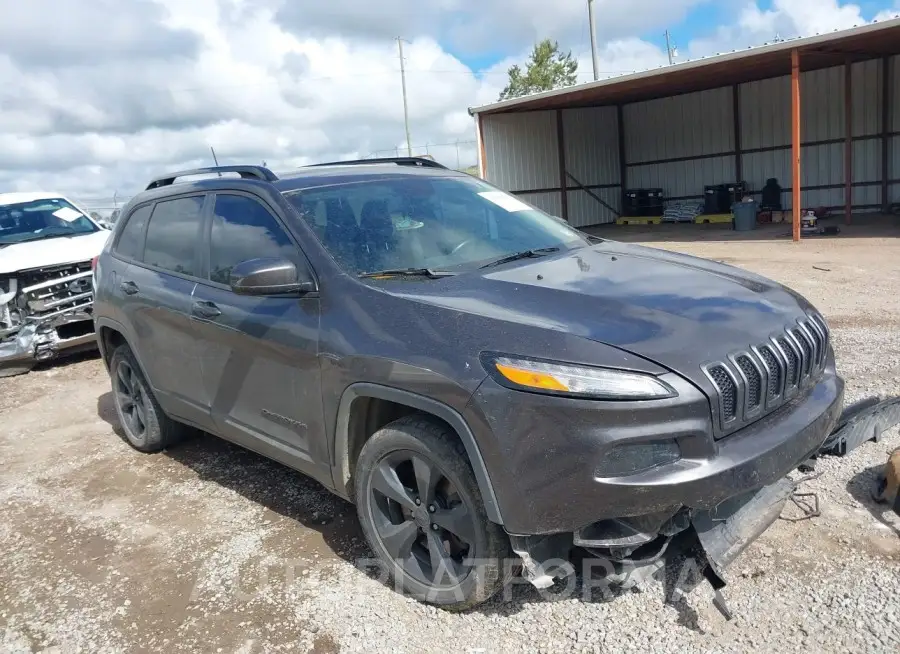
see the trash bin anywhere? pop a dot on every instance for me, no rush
(744, 215)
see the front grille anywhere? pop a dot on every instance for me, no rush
(755, 381)
(57, 290)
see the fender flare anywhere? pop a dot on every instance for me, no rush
(341, 467)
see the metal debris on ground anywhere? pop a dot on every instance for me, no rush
(863, 421)
(808, 503)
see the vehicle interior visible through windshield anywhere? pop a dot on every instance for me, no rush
(40, 219)
(439, 223)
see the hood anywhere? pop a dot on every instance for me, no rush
(51, 251)
(678, 311)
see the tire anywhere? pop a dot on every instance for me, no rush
(430, 465)
(144, 424)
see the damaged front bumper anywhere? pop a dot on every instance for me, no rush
(43, 313)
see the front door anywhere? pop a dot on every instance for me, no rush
(259, 355)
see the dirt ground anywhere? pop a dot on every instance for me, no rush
(207, 547)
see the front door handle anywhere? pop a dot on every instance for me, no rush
(203, 309)
(129, 288)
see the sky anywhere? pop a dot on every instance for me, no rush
(99, 96)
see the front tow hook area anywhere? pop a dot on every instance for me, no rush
(726, 531)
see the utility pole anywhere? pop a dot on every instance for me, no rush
(669, 50)
(405, 107)
(594, 57)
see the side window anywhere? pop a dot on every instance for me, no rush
(131, 241)
(243, 229)
(173, 235)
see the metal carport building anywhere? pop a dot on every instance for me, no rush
(821, 114)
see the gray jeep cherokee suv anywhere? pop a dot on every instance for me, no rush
(482, 380)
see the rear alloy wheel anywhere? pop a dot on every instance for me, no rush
(422, 513)
(146, 427)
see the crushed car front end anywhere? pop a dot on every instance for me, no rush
(44, 312)
(622, 479)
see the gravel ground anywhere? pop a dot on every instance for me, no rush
(210, 548)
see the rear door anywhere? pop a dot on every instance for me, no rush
(259, 355)
(155, 289)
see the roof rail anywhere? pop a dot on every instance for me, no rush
(400, 161)
(246, 172)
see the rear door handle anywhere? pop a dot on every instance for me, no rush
(129, 288)
(208, 310)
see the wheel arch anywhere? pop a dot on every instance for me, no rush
(111, 334)
(343, 457)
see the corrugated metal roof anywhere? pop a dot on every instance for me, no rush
(756, 63)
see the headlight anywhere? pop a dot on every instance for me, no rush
(575, 381)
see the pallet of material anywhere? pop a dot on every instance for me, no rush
(713, 218)
(639, 220)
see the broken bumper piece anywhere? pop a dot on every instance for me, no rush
(728, 530)
(637, 549)
(42, 341)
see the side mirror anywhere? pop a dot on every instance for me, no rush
(270, 276)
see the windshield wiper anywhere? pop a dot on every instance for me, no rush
(407, 272)
(524, 254)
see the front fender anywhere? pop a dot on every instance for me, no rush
(341, 465)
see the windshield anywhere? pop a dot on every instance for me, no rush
(439, 223)
(40, 219)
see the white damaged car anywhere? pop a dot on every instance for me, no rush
(47, 244)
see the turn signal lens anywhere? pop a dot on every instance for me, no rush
(530, 378)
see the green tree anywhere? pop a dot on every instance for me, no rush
(547, 68)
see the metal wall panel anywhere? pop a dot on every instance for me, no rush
(521, 150)
(591, 137)
(766, 107)
(765, 113)
(894, 190)
(683, 178)
(680, 126)
(867, 160)
(550, 202)
(822, 105)
(895, 96)
(820, 165)
(866, 93)
(866, 195)
(585, 210)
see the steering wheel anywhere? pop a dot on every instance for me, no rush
(461, 246)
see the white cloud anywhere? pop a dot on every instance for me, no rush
(123, 91)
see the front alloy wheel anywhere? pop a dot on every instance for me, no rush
(421, 520)
(422, 513)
